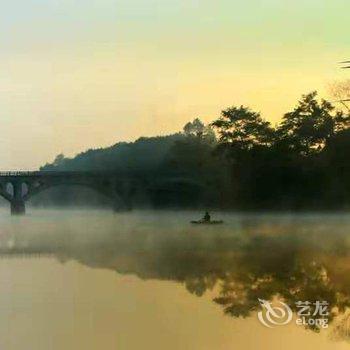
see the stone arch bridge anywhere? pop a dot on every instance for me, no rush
(19, 186)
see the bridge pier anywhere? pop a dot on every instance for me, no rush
(18, 207)
(17, 202)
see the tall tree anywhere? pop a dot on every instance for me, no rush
(196, 127)
(310, 125)
(241, 128)
(244, 138)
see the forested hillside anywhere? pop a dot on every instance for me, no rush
(240, 160)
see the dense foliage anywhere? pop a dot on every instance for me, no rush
(240, 160)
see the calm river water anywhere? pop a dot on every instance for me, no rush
(85, 279)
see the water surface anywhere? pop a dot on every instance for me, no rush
(88, 279)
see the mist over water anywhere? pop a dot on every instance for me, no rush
(82, 278)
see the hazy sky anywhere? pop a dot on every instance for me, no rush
(78, 74)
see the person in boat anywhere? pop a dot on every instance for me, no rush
(206, 217)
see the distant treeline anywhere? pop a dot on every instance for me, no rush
(239, 161)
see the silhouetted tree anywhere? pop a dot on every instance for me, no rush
(310, 125)
(241, 128)
(301, 163)
(244, 138)
(194, 128)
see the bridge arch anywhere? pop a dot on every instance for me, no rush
(115, 198)
(5, 195)
(117, 187)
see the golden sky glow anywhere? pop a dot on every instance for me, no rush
(84, 74)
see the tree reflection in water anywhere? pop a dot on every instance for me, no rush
(306, 264)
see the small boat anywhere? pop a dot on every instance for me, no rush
(211, 222)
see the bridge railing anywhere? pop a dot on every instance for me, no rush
(54, 173)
